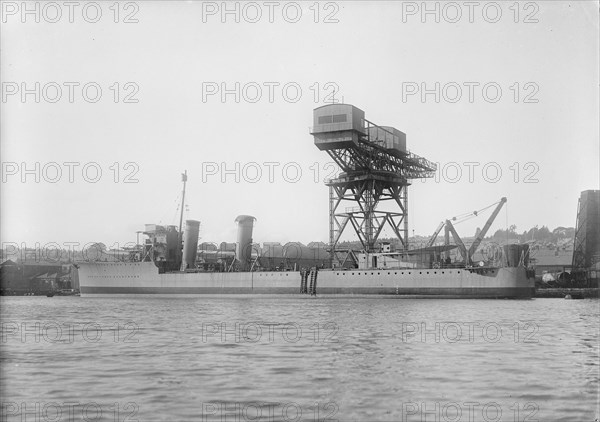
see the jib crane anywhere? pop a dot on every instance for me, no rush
(467, 255)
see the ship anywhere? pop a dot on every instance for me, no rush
(142, 278)
(375, 163)
(167, 265)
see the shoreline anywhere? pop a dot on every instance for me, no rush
(561, 292)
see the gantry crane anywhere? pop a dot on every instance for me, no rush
(375, 166)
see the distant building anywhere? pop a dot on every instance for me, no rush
(19, 279)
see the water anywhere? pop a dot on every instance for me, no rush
(299, 359)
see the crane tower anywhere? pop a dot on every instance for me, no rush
(375, 166)
(586, 252)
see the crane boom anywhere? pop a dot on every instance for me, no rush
(435, 234)
(461, 246)
(486, 227)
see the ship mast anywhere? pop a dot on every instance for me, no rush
(184, 180)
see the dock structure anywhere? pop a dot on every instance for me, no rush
(375, 167)
(586, 250)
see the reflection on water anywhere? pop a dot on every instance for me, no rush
(293, 359)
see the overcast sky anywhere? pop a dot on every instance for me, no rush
(538, 62)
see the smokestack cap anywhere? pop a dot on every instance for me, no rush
(242, 218)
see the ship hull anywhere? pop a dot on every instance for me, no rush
(142, 278)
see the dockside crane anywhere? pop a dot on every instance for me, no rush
(467, 255)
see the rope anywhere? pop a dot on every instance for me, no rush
(467, 216)
(173, 220)
(506, 222)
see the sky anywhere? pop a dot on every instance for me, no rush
(104, 106)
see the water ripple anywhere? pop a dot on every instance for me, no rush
(345, 359)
